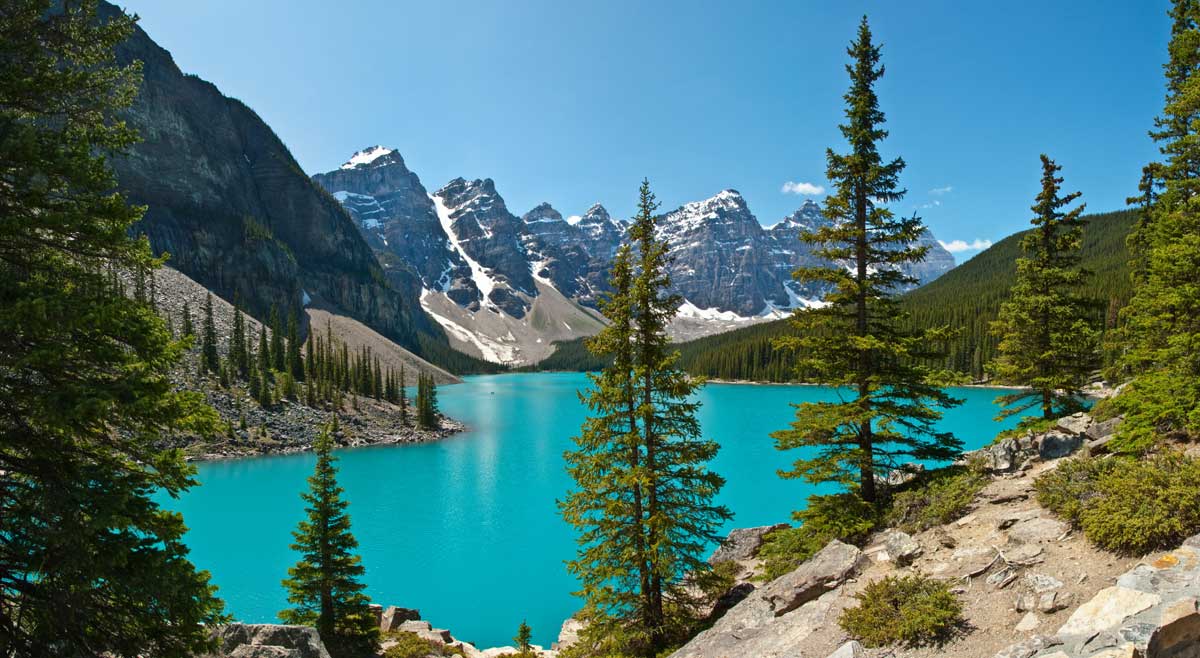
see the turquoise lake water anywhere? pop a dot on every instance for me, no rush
(466, 530)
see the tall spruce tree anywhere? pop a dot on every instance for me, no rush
(325, 587)
(187, 329)
(886, 416)
(403, 397)
(1047, 339)
(278, 350)
(90, 565)
(643, 498)
(1160, 330)
(209, 356)
(295, 363)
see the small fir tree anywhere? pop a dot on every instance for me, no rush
(208, 341)
(1047, 341)
(325, 586)
(524, 638)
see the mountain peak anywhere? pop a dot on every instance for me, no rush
(597, 214)
(367, 156)
(543, 212)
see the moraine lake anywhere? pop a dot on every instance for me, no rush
(466, 530)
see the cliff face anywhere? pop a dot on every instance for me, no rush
(233, 208)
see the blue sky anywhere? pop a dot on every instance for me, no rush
(574, 102)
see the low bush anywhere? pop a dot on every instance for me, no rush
(841, 516)
(1128, 506)
(1072, 486)
(936, 497)
(411, 645)
(908, 611)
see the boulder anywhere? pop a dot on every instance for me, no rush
(1055, 444)
(1107, 609)
(901, 547)
(1029, 622)
(269, 641)
(742, 543)
(1052, 602)
(1029, 647)
(1000, 457)
(568, 635)
(1036, 530)
(1040, 582)
(821, 573)
(1104, 428)
(851, 649)
(1077, 423)
(394, 616)
(1178, 632)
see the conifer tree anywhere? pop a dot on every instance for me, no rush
(295, 363)
(90, 564)
(278, 352)
(856, 342)
(1161, 325)
(187, 329)
(208, 341)
(1047, 341)
(643, 497)
(237, 341)
(325, 587)
(523, 638)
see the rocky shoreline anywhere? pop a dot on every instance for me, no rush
(290, 427)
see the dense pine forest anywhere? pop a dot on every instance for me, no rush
(967, 298)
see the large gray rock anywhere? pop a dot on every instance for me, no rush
(851, 649)
(742, 543)
(269, 641)
(1001, 457)
(821, 573)
(1077, 423)
(1107, 610)
(781, 615)
(901, 547)
(394, 616)
(1055, 444)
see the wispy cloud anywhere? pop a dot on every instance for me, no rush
(959, 246)
(932, 204)
(792, 187)
(940, 191)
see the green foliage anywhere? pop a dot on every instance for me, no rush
(208, 340)
(324, 587)
(91, 565)
(906, 611)
(718, 580)
(1160, 329)
(1126, 505)
(426, 403)
(642, 502)
(1071, 487)
(1047, 342)
(888, 415)
(845, 517)
(411, 645)
(935, 498)
(522, 639)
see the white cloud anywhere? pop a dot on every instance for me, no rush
(940, 191)
(958, 246)
(792, 187)
(574, 219)
(932, 204)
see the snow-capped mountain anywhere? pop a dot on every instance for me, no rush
(505, 287)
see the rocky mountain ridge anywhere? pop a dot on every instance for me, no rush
(466, 247)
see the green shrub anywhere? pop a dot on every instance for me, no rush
(411, 645)
(936, 498)
(841, 516)
(1125, 505)
(909, 611)
(715, 582)
(1157, 405)
(1146, 505)
(1070, 487)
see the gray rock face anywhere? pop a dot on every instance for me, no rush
(575, 258)
(231, 205)
(722, 256)
(742, 543)
(269, 641)
(396, 216)
(490, 235)
(394, 617)
(782, 613)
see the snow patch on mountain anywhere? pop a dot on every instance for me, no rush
(479, 274)
(366, 157)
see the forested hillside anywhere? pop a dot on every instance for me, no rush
(967, 298)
